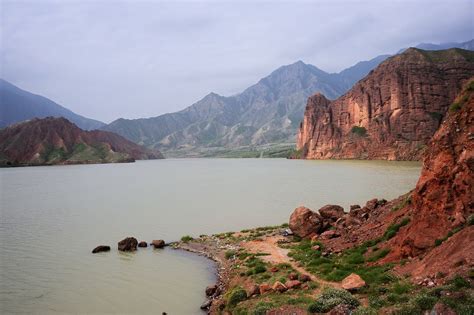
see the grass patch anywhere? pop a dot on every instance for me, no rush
(392, 230)
(379, 254)
(331, 298)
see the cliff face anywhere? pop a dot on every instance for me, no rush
(58, 141)
(390, 114)
(443, 198)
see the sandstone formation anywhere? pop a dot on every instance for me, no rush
(128, 244)
(331, 212)
(305, 223)
(444, 196)
(58, 141)
(101, 248)
(390, 114)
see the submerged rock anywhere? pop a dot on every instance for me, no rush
(158, 243)
(128, 244)
(142, 244)
(101, 248)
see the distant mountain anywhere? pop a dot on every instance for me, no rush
(18, 105)
(468, 45)
(52, 140)
(266, 113)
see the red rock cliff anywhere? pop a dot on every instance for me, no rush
(392, 113)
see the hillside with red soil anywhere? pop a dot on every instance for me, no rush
(58, 141)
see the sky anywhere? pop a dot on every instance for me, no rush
(109, 59)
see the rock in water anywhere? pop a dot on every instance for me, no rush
(353, 282)
(305, 223)
(331, 213)
(211, 289)
(158, 243)
(128, 244)
(101, 248)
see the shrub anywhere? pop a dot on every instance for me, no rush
(470, 220)
(424, 301)
(186, 238)
(260, 269)
(262, 307)
(392, 230)
(455, 107)
(459, 282)
(359, 131)
(230, 254)
(331, 298)
(236, 296)
(365, 311)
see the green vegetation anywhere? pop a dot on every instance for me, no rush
(330, 298)
(440, 241)
(235, 296)
(455, 107)
(186, 238)
(359, 131)
(379, 254)
(392, 230)
(230, 254)
(403, 204)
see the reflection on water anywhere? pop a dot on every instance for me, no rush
(52, 217)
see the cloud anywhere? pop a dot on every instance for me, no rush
(110, 59)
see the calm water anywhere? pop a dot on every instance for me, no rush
(52, 217)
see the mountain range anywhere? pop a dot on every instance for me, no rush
(18, 105)
(263, 117)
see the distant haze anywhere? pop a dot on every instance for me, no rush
(110, 59)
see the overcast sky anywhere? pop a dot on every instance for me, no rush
(109, 59)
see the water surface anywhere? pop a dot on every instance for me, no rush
(52, 217)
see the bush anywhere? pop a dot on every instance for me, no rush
(470, 220)
(459, 282)
(259, 269)
(392, 230)
(186, 238)
(331, 298)
(455, 107)
(230, 254)
(425, 301)
(360, 131)
(261, 308)
(365, 311)
(236, 296)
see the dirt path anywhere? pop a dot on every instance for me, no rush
(277, 255)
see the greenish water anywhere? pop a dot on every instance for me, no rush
(52, 217)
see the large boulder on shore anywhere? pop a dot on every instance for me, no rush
(128, 244)
(305, 223)
(101, 248)
(331, 213)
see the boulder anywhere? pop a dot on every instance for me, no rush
(101, 248)
(329, 234)
(253, 290)
(304, 278)
(206, 305)
(372, 204)
(158, 243)
(293, 276)
(128, 244)
(353, 282)
(264, 287)
(305, 223)
(211, 289)
(331, 213)
(354, 207)
(142, 244)
(293, 284)
(316, 247)
(274, 269)
(279, 287)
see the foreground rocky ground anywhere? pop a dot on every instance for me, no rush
(411, 255)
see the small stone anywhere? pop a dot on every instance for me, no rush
(264, 287)
(206, 305)
(211, 289)
(293, 276)
(128, 244)
(293, 284)
(304, 278)
(142, 244)
(316, 247)
(101, 248)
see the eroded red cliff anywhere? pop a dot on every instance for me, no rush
(392, 113)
